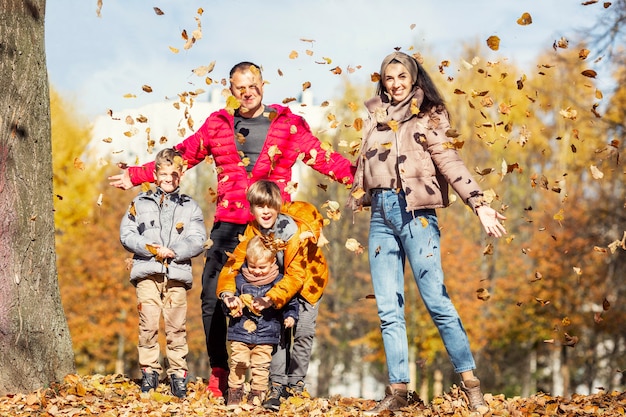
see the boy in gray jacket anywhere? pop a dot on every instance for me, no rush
(164, 230)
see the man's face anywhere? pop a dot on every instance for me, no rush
(264, 216)
(247, 87)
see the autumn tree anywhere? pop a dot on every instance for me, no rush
(34, 337)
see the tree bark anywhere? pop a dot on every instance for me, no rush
(34, 338)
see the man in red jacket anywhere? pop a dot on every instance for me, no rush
(250, 143)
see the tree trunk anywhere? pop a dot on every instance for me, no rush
(34, 338)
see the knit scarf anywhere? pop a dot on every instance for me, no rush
(260, 280)
(384, 111)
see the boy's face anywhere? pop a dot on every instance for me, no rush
(260, 267)
(264, 216)
(168, 177)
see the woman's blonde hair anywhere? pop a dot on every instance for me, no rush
(256, 250)
(265, 193)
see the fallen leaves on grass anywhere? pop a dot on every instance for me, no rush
(117, 395)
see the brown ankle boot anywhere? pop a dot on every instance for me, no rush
(394, 400)
(235, 396)
(474, 396)
(255, 397)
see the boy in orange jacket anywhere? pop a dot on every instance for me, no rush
(295, 229)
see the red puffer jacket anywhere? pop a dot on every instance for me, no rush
(289, 138)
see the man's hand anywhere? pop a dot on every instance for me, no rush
(121, 180)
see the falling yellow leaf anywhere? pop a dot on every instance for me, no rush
(273, 151)
(174, 50)
(293, 55)
(493, 42)
(560, 216)
(232, 104)
(153, 250)
(353, 245)
(130, 95)
(358, 193)
(569, 113)
(596, 173)
(291, 187)
(424, 221)
(204, 70)
(293, 129)
(393, 125)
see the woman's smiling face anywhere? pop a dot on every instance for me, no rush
(397, 81)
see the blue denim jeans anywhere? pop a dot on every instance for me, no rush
(396, 235)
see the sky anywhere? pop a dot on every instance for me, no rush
(95, 61)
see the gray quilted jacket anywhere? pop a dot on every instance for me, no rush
(173, 220)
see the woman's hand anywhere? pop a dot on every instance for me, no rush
(490, 220)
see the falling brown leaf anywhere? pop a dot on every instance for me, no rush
(589, 73)
(483, 294)
(542, 301)
(78, 164)
(570, 341)
(158, 11)
(306, 85)
(525, 19)
(562, 43)
(336, 70)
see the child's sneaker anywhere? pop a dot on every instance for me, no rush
(149, 380)
(296, 389)
(178, 385)
(276, 393)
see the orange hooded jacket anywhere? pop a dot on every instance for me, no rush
(305, 267)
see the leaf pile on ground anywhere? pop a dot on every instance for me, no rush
(117, 395)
